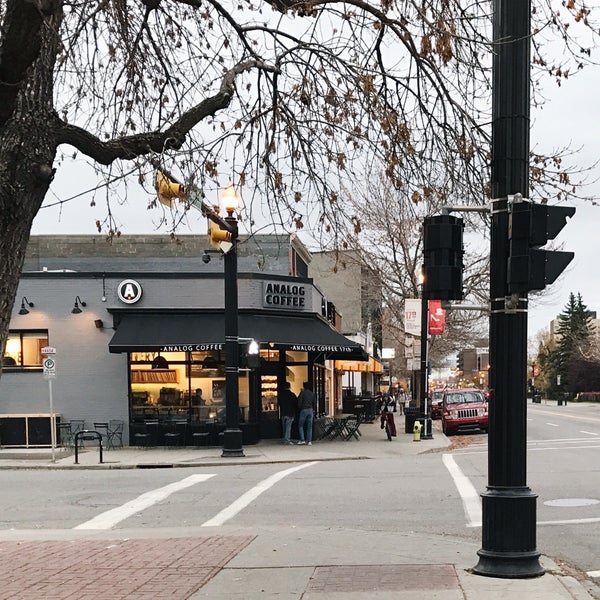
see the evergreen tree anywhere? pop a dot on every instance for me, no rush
(574, 333)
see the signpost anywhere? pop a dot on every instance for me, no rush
(49, 365)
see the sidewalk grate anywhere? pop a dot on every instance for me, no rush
(383, 578)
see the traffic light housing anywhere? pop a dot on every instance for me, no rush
(219, 238)
(443, 257)
(168, 189)
(530, 226)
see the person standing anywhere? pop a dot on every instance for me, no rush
(287, 407)
(307, 405)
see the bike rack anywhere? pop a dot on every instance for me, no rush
(87, 435)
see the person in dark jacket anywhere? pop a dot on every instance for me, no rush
(288, 403)
(307, 405)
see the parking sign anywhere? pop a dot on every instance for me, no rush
(49, 365)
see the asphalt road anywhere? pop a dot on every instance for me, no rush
(403, 494)
(563, 447)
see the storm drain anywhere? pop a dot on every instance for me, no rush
(383, 578)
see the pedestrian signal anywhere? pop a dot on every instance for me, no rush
(530, 226)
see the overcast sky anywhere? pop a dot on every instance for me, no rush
(570, 117)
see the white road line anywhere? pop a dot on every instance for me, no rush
(552, 424)
(570, 521)
(587, 432)
(245, 499)
(593, 573)
(468, 493)
(110, 518)
(557, 440)
(543, 449)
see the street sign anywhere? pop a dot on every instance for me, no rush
(49, 365)
(48, 350)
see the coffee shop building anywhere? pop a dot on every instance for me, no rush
(137, 326)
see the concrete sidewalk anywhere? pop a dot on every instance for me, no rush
(372, 444)
(232, 563)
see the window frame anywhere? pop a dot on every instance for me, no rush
(40, 334)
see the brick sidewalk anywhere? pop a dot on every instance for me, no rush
(113, 569)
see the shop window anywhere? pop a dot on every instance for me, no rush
(23, 350)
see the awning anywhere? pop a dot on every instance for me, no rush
(164, 331)
(372, 366)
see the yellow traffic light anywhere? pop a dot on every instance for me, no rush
(168, 189)
(219, 238)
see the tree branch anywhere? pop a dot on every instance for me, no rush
(129, 147)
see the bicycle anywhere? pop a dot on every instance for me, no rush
(387, 423)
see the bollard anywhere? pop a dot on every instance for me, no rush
(417, 431)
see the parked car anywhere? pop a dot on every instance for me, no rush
(464, 410)
(436, 403)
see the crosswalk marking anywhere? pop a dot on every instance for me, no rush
(244, 500)
(110, 518)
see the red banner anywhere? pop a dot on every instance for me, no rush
(437, 317)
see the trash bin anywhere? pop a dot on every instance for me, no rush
(411, 414)
(537, 398)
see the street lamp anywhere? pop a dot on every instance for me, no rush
(232, 437)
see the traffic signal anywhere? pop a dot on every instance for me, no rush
(443, 257)
(167, 189)
(530, 226)
(219, 238)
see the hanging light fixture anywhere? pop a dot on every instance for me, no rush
(160, 362)
(24, 302)
(78, 302)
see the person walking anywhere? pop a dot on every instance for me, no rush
(307, 405)
(288, 403)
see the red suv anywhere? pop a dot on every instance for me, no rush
(464, 410)
(436, 403)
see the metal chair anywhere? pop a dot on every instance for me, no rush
(200, 435)
(115, 433)
(65, 435)
(351, 428)
(175, 432)
(102, 429)
(145, 434)
(77, 425)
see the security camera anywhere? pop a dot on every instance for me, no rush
(206, 258)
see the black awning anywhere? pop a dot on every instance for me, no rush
(302, 333)
(180, 332)
(164, 332)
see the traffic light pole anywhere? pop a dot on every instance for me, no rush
(426, 433)
(509, 506)
(232, 437)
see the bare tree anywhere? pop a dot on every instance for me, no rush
(293, 100)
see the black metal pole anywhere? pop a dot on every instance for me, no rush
(426, 433)
(509, 507)
(232, 437)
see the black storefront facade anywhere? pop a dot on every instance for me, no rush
(176, 370)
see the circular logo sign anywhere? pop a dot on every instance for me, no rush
(129, 291)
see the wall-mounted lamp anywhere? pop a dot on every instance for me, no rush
(99, 323)
(78, 302)
(24, 302)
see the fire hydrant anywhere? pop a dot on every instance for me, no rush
(417, 431)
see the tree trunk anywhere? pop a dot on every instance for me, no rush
(26, 155)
